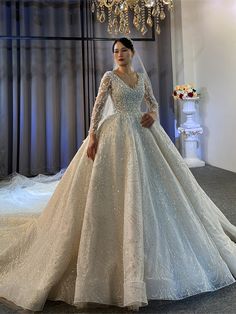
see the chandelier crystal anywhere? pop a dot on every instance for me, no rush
(146, 13)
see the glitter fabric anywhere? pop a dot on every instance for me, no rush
(130, 226)
(126, 99)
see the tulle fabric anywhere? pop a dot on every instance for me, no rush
(21, 194)
(22, 198)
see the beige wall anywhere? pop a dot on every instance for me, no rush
(204, 52)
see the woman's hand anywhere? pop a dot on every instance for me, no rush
(148, 119)
(92, 147)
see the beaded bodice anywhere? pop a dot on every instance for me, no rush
(125, 98)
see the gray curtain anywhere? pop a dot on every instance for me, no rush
(48, 83)
(43, 91)
(165, 79)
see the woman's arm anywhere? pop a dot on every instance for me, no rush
(103, 92)
(150, 99)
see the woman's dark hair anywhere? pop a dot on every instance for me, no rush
(125, 41)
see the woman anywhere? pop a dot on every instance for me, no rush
(123, 51)
(128, 222)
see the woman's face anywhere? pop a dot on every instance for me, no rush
(122, 55)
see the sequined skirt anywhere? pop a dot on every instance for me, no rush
(130, 226)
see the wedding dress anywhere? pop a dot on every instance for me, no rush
(130, 226)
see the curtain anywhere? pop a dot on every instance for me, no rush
(52, 57)
(165, 79)
(42, 88)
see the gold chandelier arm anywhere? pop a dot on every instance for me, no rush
(108, 3)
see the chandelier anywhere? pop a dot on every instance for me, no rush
(146, 13)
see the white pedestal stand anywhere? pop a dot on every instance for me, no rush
(190, 129)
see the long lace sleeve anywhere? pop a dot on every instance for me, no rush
(150, 99)
(103, 92)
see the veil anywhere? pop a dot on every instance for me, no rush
(137, 66)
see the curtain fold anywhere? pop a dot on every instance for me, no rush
(42, 116)
(165, 78)
(48, 86)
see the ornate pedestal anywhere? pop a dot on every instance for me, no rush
(190, 129)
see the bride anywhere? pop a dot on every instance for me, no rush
(127, 222)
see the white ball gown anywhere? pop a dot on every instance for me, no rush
(130, 226)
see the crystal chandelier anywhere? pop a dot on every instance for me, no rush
(146, 13)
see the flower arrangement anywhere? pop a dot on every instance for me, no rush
(184, 91)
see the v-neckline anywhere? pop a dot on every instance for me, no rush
(134, 87)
